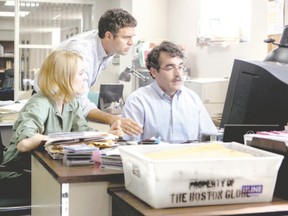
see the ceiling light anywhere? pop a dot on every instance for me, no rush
(22, 4)
(9, 3)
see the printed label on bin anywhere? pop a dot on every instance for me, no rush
(217, 189)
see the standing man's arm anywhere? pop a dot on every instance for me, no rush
(92, 113)
(128, 126)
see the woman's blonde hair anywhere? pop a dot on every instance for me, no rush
(57, 73)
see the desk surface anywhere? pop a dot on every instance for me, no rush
(125, 203)
(73, 174)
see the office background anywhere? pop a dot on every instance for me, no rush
(178, 21)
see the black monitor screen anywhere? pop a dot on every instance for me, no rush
(110, 93)
(257, 94)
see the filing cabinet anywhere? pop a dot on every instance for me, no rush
(212, 92)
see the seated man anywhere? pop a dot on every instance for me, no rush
(166, 108)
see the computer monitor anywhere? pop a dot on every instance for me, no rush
(110, 92)
(257, 94)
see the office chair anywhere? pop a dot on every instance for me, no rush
(7, 85)
(12, 206)
(93, 97)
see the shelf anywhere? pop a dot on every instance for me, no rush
(7, 59)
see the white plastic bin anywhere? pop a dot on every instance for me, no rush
(196, 182)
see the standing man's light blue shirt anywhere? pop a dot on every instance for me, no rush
(89, 46)
(95, 59)
(176, 119)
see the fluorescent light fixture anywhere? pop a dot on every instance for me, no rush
(22, 4)
(12, 14)
(9, 3)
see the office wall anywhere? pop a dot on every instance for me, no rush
(111, 73)
(6, 35)
(6, 29)
(215, 61)
(152, 19)
(151, 16)
(177, 21)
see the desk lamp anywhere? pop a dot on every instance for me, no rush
(279, 54)
(126, 74)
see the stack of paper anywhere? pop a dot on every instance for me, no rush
(6, 102)
(57, 142)
(271, 135)
(9, 110)
(8, 115)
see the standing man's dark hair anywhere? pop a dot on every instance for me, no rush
(113, 20)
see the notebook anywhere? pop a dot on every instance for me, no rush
(236, 132)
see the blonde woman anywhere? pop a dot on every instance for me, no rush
(53, 109)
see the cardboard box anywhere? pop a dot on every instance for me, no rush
(196, 182)
(278, 145)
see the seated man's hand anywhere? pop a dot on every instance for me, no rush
(116, 128)
(130, 127)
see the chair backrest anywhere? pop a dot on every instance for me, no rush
(9, 79)
(7, 133)
(93, 97)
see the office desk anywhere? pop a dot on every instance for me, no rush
(126, 204)
(62, 190)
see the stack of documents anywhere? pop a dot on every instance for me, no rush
(9, 110)
(57, 142)
(110, 159)
(8, 116)
(268, 135)
(6, 102)
(276, 142)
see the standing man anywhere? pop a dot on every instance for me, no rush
(97, 47)
(166, 108)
